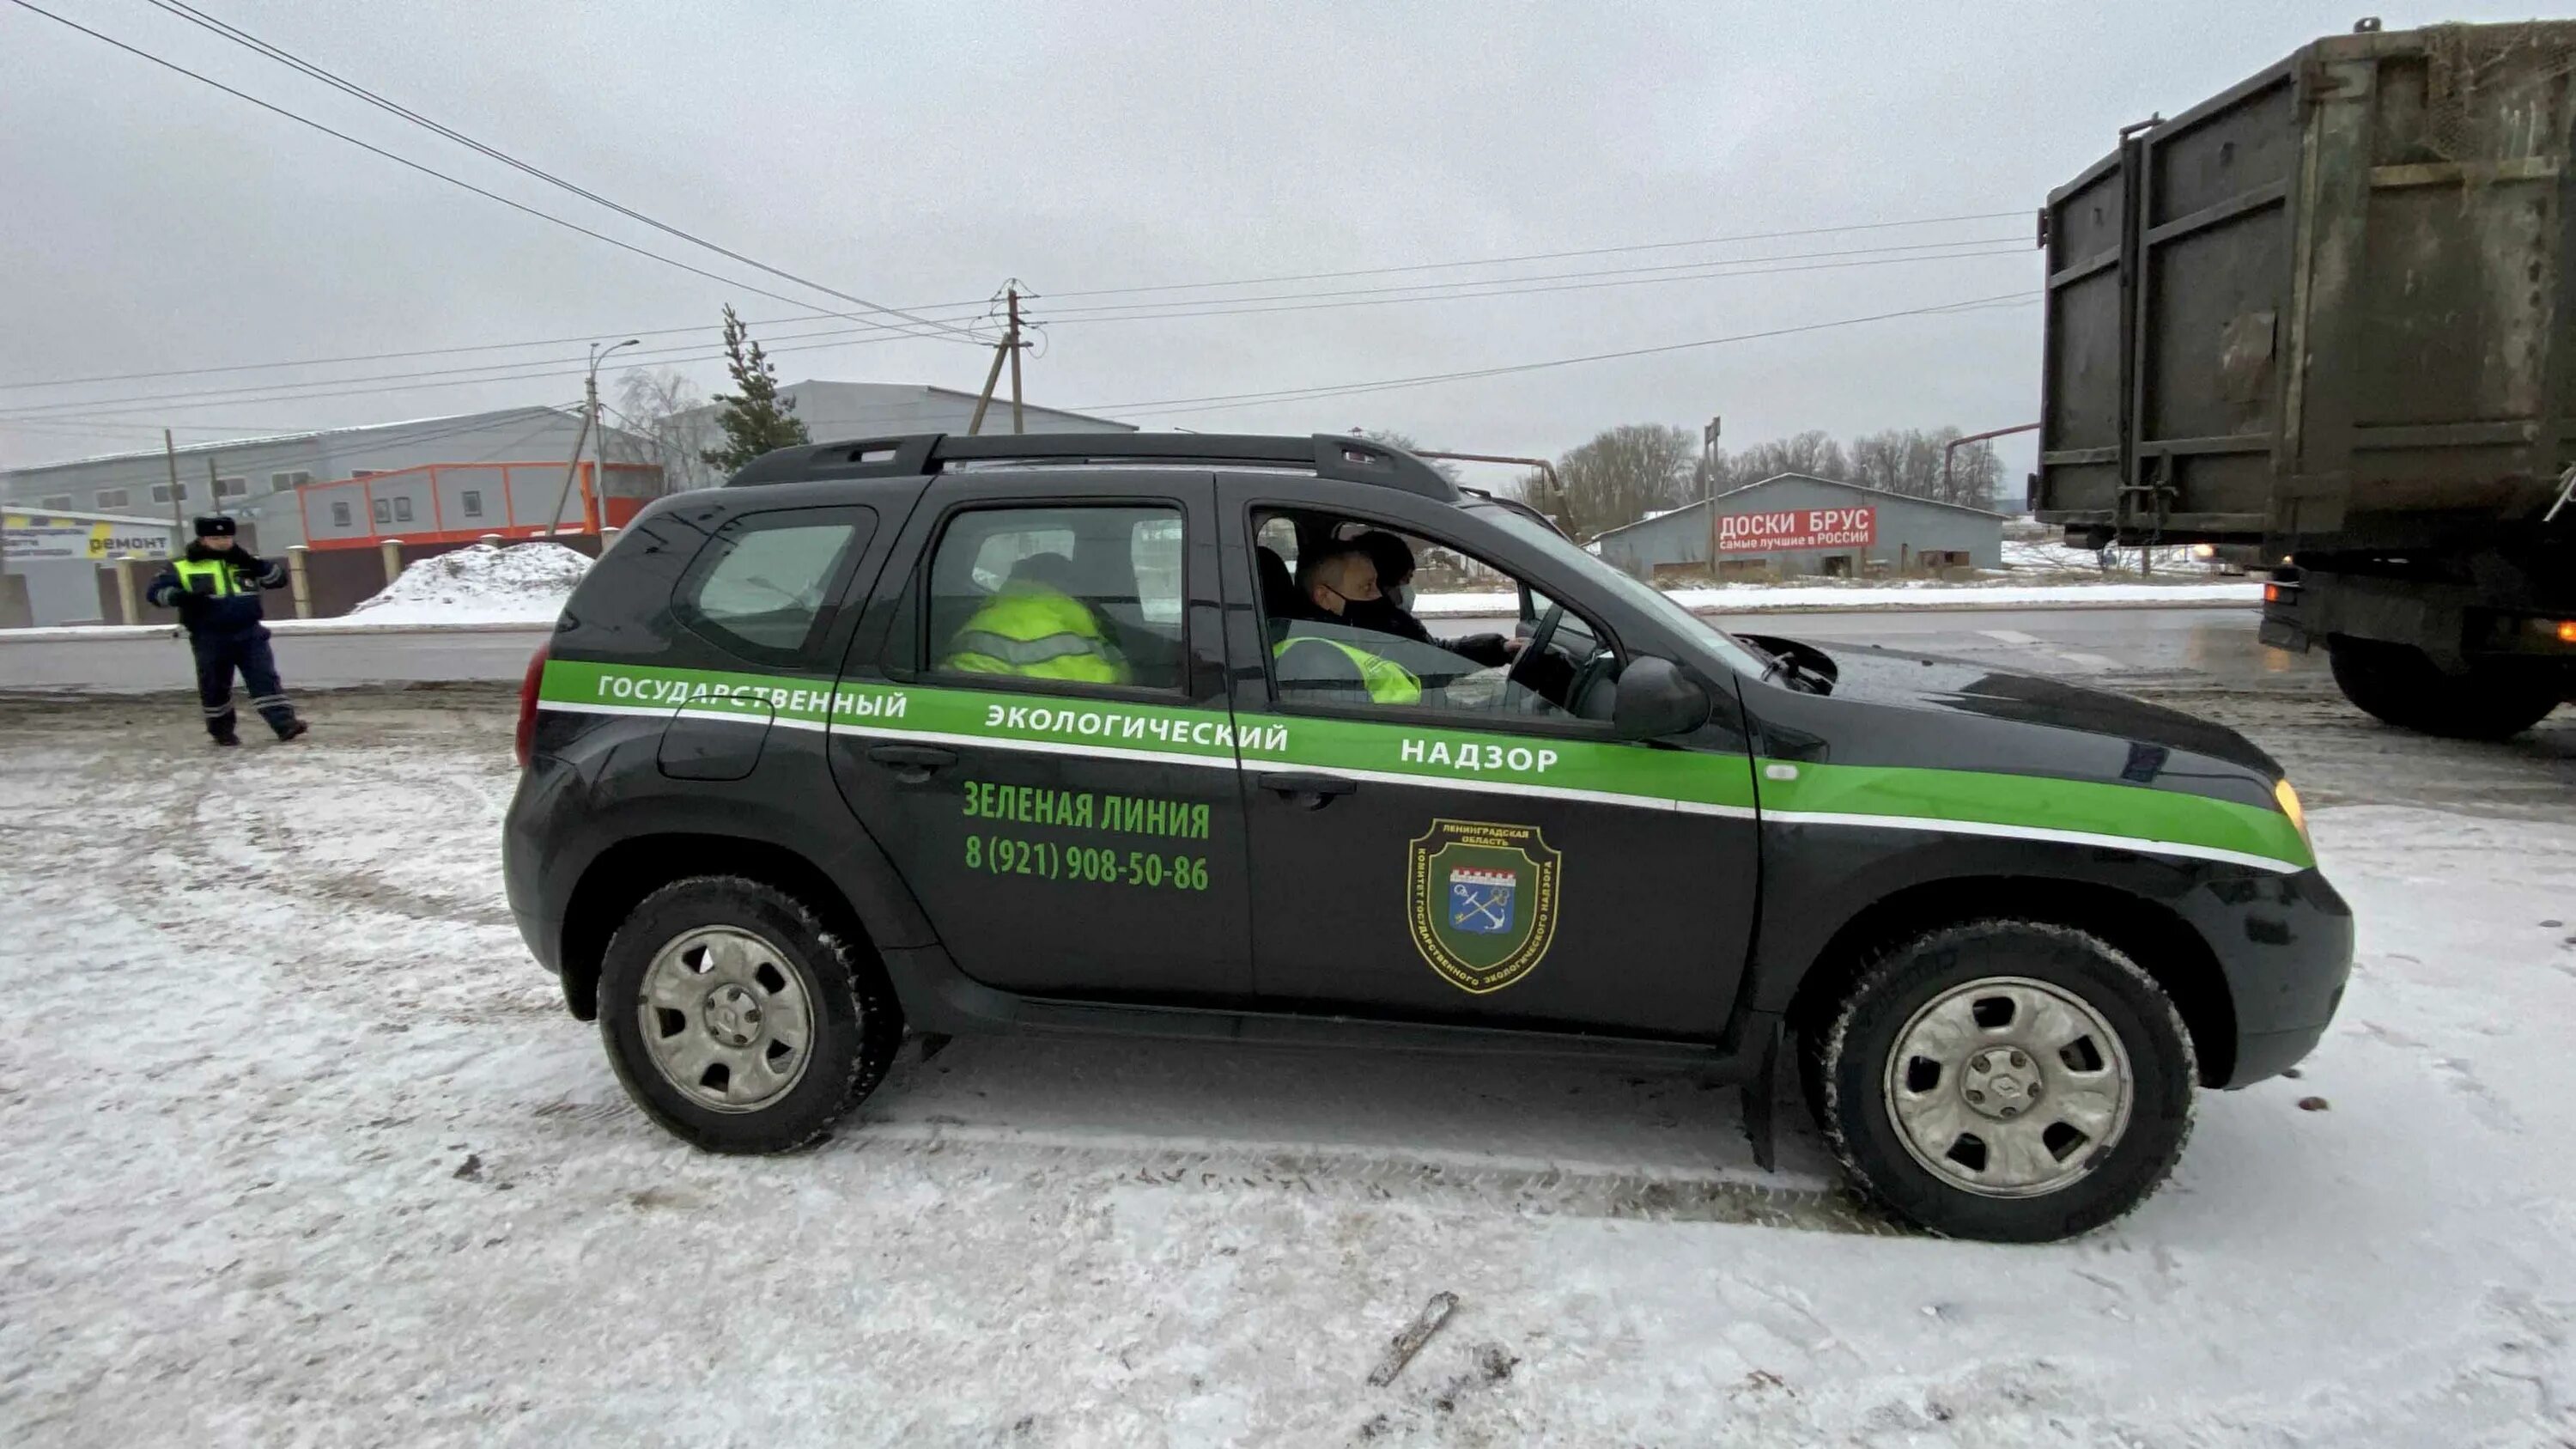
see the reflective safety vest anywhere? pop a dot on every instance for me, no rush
(226, 582)
(1037, 632)
(1388, 682)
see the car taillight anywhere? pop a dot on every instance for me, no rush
(525, 743)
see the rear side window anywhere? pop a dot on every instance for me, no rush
(766, 586)
(1083, 594)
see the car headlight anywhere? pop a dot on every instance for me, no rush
(2288, 799)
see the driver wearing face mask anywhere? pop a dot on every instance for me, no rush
(1390, 612)
(1387, 613)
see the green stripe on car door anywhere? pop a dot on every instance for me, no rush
(2137, 817)
(1613, 772)
(2134, 817)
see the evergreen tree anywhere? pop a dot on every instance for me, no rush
(755, 419)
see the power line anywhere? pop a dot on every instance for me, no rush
(433, 172)
(1214, 401)
(148, 468)
(811, 315)
(242, 37)
(495, 372)
(1527, 291)
(1927, 248)
(456, 376)
(1552, 256)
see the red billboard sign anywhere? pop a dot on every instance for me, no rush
(1797, 530)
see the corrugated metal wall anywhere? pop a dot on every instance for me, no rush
(1906, 530)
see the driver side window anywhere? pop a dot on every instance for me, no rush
(1367, 617)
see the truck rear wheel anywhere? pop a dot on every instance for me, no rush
(2397, 683)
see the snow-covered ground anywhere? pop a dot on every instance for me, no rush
(2047, 557)
(296, 1147)
(524, 583)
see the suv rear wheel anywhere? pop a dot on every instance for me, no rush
(2007, 1080)
(737, 1021)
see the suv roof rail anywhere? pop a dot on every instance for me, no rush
(1327, 455)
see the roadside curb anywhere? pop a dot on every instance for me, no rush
(283, 628)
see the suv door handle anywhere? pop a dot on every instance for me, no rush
(912, 764)
(1311, 791)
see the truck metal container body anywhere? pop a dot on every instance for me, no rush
(2325, 314)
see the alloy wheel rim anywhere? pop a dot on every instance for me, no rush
(2009, 1087)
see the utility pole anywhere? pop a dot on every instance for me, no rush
(1708, 460)
(1017, 425)
(572, 470)
(1008, 347)
(214, 490)
(178, 521)
(589, 422)
(984, 399)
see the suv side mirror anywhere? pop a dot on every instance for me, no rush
(1656, 699)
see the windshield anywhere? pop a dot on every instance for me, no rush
(1654, 601)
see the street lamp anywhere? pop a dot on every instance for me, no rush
(590, 426)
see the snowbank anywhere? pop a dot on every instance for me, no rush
(2049, 558)
(524, 583)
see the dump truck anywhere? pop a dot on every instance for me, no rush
(2322, 319)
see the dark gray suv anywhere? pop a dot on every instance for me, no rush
(1092, 734)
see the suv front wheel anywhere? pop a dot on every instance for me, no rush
(737, 1020)
(2007, 1080)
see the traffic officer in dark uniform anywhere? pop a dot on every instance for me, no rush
(215, 587)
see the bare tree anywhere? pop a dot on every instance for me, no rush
(1813, 453)
(665, 423)
(1622, 475)
(1878, 459)
(1909, 461)
(1976, 474)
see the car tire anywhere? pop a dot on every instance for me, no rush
(737, 1020)
(2006, 1011)
(2397, 684)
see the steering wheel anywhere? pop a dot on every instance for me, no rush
(1534, 649)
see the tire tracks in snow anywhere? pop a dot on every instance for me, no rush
(963, 1154)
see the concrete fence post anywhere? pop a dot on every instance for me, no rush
(129, 601)
(392, 550)
(300, 578)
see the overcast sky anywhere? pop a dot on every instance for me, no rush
(921, 154)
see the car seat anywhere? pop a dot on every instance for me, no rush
(1280, 600)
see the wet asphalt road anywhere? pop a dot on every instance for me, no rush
(2215, 646)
